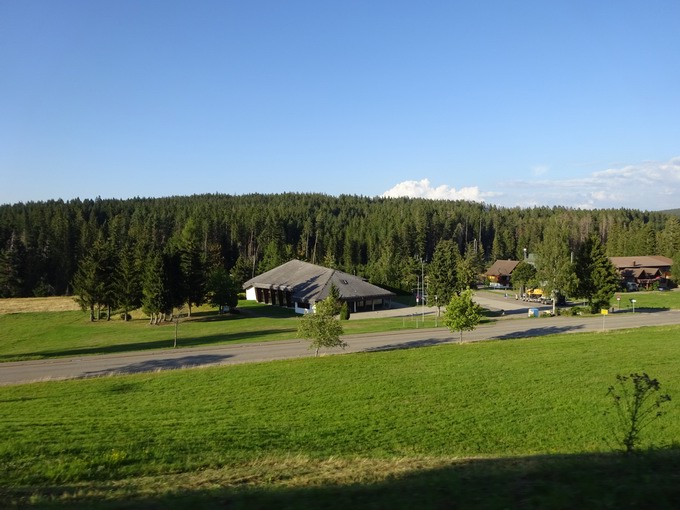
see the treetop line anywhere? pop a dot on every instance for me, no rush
(45, 245)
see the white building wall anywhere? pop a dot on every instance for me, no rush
(250, 294)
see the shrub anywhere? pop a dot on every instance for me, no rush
(637, 403)
(344, 311)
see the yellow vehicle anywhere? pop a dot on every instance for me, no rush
(534, 293)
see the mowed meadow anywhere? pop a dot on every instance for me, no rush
(501, 424)
(40, 334)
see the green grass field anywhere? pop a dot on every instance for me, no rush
(502, 424)
(25, 336)
(650, 299)
(40, 335)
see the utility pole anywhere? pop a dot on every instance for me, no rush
(422, 283)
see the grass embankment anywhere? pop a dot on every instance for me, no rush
(379, 430)
(38, 335)
(649, 299)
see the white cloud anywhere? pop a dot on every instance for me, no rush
(649, 185)
(423, 189)
(539, 170)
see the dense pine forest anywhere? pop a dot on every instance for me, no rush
(47, 248)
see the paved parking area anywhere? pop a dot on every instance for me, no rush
(489, 300)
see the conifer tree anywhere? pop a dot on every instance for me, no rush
(154, 288)
(128, 288)
(441, 272)
(597, 276)
(192, 267)
(10, 269)
(91, 279)
(221, 290)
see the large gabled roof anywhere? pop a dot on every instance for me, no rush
(309, 283)
(502, 267)
(646, 261)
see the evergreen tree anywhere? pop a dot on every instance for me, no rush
(221, 290)
(175, 295)
(192, 266)
(442, 272)
(468, 269)
(554, 269)
(10, 269)
(91, 283)
(154, 288)
(598, 280)
(668, 240)
(128, 288)
(333, 299)
(344, 311)
(523, 275)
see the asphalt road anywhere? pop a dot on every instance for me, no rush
(509, 327)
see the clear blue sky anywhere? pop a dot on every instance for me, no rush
(571, 103)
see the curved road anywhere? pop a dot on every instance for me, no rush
(148, 361)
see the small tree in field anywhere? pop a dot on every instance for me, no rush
(637, 403)
(322, 328)
(462, 314)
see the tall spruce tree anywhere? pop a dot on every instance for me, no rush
(597, 276)
(128, 288)
(154, 288)
(10, 269)
(91, 280)
(192, 267)
(441, 272)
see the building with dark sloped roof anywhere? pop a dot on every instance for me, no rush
(297, 284)
(643, 270)
(499, 274)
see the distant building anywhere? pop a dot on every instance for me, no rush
(297, 284)
(500, 273)
(643, 271)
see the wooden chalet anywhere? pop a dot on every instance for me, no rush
(644, 271)
(500, 272)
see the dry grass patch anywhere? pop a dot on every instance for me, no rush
(38, 304)
(290, 472)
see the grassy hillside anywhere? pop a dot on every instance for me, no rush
(380, 430)
(38, 335)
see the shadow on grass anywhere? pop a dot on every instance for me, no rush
(166, 343)
(539, 331)
(642, 310)
(162, 364)
(597, 481)
(426, 342)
